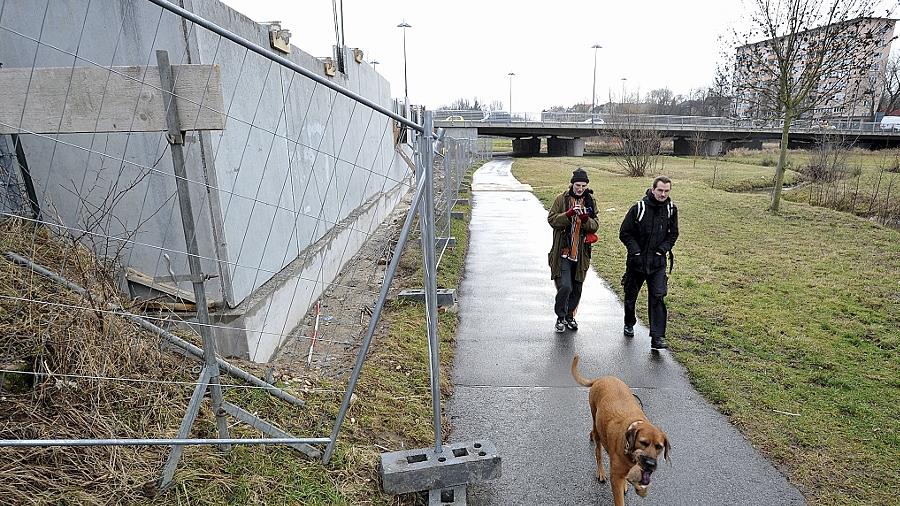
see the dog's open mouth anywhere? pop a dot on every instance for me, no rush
(640, 479)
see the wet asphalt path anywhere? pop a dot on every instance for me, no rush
(513, 386)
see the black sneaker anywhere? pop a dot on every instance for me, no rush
(571, 323)
(628, 330)
(657, 343)
(560, 325)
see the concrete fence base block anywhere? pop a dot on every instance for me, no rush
(453, 496)
(462, 202)
(445, 296)
(422, 469)
(450, 242)
(457, 215)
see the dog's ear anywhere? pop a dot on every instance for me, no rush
(631, 435)
(666, 448)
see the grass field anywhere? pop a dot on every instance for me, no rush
(869, 185)
(722, 174)
(789, 323)
(502, 145)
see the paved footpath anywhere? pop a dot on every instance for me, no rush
(513, 386)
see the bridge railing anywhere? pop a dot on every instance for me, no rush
(673, 122)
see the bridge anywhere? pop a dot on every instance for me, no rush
(565, 132)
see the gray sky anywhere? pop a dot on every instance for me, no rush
(466, 48)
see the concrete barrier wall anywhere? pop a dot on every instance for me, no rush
(294, 159)
(329, 156)
(79, 178)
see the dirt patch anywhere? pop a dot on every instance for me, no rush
(345, 308)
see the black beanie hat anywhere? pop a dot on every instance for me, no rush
(579, 175)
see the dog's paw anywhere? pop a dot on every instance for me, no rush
(601, 479)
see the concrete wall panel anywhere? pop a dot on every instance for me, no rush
(117, 185)
(294, 159)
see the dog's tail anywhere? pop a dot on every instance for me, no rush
(581, 380)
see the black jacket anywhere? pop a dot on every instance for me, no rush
(650, 229)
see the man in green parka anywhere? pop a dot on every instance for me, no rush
(573, 217)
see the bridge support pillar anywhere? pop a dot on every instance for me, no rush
(565, 147)
(752, 144)
(707, 147)
(526, 147)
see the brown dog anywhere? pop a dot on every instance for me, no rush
(619, 425)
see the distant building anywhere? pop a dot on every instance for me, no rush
(850, 87)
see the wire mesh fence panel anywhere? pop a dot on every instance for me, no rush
(194, 191)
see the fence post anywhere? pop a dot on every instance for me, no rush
(427, 226)
(211, 367)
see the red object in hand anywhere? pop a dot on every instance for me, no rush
(584, 217)
(570, 212)
(591, 238)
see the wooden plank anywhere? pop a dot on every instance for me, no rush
(98, 99)
(139, 277)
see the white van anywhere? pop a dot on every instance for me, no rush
(890, 123)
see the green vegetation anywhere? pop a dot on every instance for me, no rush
(788, 323)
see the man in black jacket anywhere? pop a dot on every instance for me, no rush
(649, 232)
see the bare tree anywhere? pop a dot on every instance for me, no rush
(638, 145)
(463, 104)
(811, 51)
(719, 94)
(697, 141)
(661, 101)
(829, 161)
(890, 85)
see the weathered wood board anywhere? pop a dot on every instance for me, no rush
(98, 99)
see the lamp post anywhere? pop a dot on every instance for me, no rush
(623, 92)
(404, 25)
(378, 81)
(511, 74)
(595, 47)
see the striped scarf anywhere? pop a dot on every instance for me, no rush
(570, 251)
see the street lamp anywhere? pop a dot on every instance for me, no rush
(404, 25)
(595, 47)
(511, 74)
(375, 62)
(623, 92)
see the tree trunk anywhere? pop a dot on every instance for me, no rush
(779, 169)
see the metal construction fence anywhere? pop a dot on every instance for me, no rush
(171, 180)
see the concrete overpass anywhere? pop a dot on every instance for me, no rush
(565, 133)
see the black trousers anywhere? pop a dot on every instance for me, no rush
(568, 291)
(657, 288)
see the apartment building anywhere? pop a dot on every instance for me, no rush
(848, 85)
